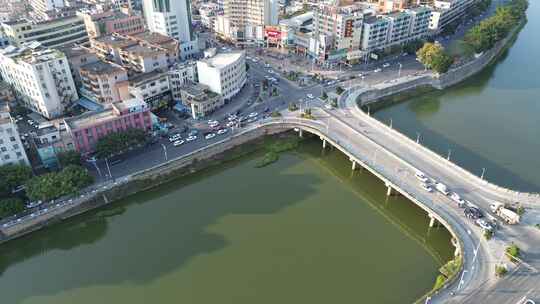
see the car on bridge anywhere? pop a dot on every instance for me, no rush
(473, 213)
(421, 176)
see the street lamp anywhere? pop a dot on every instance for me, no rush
(483, 172)
(449, 153)
(417, 137)
(108, 167)
(399, 70)
(391, 122)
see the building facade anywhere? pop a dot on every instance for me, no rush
(78, 56)
(245, 20)
(118, 21)
(180, 75)
(11, 147)
(41, 78)
(58, 32)
(85, 130)
(153, 88)
(445, 12)
(104, 82)
(172, 18)
(141, 53)
(224, 73)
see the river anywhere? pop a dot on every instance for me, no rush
(490, 121)
(305, 229)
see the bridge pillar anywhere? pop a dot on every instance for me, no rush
(300, 133)
(324, 143)
(389, 190)
(353, 165)
(432, 221)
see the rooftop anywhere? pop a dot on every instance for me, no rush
(102, 68)
(32, 52)
(222, 60)
(74, 51)
(90, 118)
(145, 77)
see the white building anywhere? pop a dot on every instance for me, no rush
(447, 11)
(172, 18)
(40, 76)
(180, 75)
(11, 147)
(40, 7)
(245, 19)
(151, 87)
(224, 73)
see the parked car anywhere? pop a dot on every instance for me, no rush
(222, 131)
(377, 70)
(178, 143)
(191, 138)
(484, 224)
(210, 135)
(310, 96)
(253, 114)
(386, 65)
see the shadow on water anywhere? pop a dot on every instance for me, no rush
(183, 226)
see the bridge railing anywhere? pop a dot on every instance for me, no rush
(509, 194)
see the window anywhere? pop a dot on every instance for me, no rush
(12, 138)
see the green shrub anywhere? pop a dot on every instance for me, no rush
(500, 270)
(439, 282)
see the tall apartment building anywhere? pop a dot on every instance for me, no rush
(388, 6)
(384, 31)
(337, 31)
(11, 147)
(172, 18)
(446, 12)
(144, 52)
(40, 76)
(114, 21)
(51, 33)
(245, 19)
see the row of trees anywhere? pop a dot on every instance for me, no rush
(485, 35)
(116, 143)
(433, 56)
(56, 184)
(11, 177)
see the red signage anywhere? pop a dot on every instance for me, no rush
(272, 32)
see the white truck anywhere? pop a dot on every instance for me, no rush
(507, 215)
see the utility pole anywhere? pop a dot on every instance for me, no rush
(164, 151)
(108, 167)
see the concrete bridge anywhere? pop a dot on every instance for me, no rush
(395, 159)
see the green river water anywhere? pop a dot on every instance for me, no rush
(302, 230)
(490, 121)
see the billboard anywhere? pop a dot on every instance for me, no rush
(272, 32)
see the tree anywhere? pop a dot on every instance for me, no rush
(513, 251)
(432, 55)
(274, 91)
(247, 67)
(441, 63)
(500, 270)
(10, 206)
(413, 46)
(339, 90)
(53, 185)
(116, 143)
(67, 158)
(12, 176)
(292, 107)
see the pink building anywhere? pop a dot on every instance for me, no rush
(118, 21)
(85, 130)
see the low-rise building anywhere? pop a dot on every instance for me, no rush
(40, 76)
(57, 32)
(104, 82)
(11, 147)
(180, 75)
(143, 52)
(153, 88)
(124, 21)
(223, 73)
(85, 130)
(200, 99)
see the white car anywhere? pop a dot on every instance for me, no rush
(178, 143)
(328, 106)
(222, 131)
(386, 65)
(212, 122)
(421, 176)
(191, 138)
(310, 96)
(484, 225)
(252, 119)
(231, 124)
(232, 117)
(427, 187)
(253, 114)
(210, 135)
(377, 70)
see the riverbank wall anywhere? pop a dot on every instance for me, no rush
(229, 149)
(380, 93)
